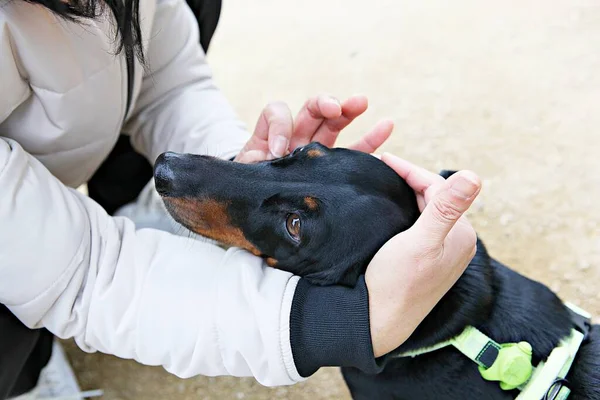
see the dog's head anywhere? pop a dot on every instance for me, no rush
(319, 213)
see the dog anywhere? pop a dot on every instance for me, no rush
(323, 213)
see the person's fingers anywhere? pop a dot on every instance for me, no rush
(450, 202)
(328, 132)
(310, 117)
(419, 179)
(251, 156)
(373, 139)
(353, 107)
(275, 126)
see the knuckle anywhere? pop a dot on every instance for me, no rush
(445, 210)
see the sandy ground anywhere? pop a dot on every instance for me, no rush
(509, 89)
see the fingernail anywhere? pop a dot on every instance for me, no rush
(280, 144)
(466, 185)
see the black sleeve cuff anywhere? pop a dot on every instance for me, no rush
(329, 326)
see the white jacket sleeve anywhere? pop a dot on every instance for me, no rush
(178, 107)
(148, 295)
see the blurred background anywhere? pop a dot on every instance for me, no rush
(508, 89)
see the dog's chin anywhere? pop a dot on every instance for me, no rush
(321, 274)
(327, 278)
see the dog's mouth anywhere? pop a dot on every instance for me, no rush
(210, 219)
(182, 181)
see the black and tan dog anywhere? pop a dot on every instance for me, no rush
(323, 213)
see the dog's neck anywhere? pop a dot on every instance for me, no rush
(499, 302)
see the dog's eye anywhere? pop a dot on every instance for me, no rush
(292, 225)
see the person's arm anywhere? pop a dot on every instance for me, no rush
(148, 295)
(179, 108)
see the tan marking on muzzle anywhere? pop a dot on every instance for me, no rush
(271, 262)
(209, 218)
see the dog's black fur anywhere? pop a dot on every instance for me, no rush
(349, 205)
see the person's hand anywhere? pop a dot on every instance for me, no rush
(414, 270)
(321, 119)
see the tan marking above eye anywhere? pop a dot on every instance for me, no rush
(292, 224)
(314, 153)
(310, 202)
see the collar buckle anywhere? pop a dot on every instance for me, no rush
(512, 367)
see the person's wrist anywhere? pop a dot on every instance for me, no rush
(388, 318)
(329, 326)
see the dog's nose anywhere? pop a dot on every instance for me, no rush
(163, 172)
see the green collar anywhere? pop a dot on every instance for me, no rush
(510, 363)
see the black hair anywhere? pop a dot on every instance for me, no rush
(128, 34)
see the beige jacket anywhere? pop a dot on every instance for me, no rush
(64, 263)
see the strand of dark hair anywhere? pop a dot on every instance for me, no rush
(128, 34)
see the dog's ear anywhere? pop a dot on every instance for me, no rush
(447, 173)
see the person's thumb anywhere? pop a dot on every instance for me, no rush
(448, 204)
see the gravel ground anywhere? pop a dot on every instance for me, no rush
(508, 89)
